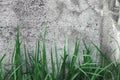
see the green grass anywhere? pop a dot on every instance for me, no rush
(35, 66)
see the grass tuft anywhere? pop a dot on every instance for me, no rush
(35, 65)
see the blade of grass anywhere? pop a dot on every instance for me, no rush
(53, 65)
(57, 63)
(1, 67)
(74, 76)
(75, 54)
(102, 54)
(14, 72)
(17, 60)
(63, 66)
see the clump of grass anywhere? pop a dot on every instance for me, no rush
(35, 66)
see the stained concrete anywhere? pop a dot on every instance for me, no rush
(62, 19)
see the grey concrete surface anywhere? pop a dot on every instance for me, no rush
(62, 18)
(110, 34)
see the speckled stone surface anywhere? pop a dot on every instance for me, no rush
(62, 18)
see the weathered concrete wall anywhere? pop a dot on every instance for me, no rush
(110, 35)
(70, 18)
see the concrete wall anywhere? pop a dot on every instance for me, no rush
(63, 18)
(110, 35)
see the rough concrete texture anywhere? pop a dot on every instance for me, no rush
(63, 18)
(110, 29)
